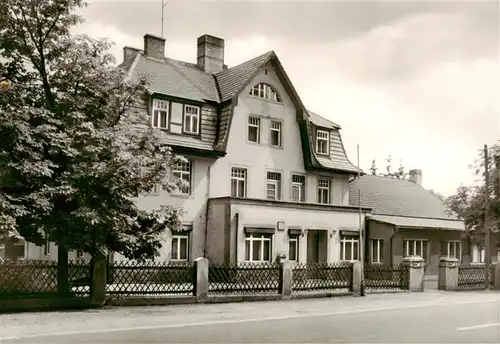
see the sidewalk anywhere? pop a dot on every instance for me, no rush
(12, 325)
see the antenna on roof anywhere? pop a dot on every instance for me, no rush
(163, 5)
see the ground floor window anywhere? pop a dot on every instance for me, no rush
(13, 249)
(455, 249)
(416, 247)
(478, 254)
(258, 247)
(293, 248)
(377, 250)
(180, 246)
(349, 248)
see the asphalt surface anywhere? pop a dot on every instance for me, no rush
(411, 318)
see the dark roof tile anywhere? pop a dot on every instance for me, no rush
(396, 197)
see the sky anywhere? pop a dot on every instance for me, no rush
(419, 81)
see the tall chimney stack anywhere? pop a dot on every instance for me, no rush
(416, 176)
(210, 57)
(154, 47)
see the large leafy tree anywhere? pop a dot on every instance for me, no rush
(469, 201)
(74, 150)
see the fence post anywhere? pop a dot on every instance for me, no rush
(200, 282)
(415, 266)
(285, 279)
(496, 276)
(448, 273)
(357, 271)
(98, 280)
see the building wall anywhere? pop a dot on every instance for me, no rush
(328, 220)
(194, 207)
(258, 158)
(435, 238)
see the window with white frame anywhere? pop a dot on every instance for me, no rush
(273, 186)
(238, 182)
(275, 133)
(254, 129)
(322, 142)
(349, 247)
(298, 188)
(293, 248)
(160, 114)
(324, 188)
(265, 91)
(416, 248)
(377, 250)
(478, 254)
(455, 249)
(258, 247)
(155, 190)
(183, 171)
(191, 119)
(180, 246)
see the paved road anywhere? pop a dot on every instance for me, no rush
(409, 318)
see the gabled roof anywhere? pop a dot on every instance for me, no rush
(186, 80)
(401, 200)
(175, 78)
(231, 81)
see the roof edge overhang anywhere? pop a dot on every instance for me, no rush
(198, 152)
(373, 217)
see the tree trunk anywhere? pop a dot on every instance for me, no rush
(62, 272)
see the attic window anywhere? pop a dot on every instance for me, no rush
(159, 118)
(266, 91)
(322, 142)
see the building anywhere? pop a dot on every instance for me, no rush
(266, 177)
(407, 219)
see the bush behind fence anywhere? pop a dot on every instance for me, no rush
(473, 276)
(247, 277)
(36, 278)
(322, 276)
(386, 277)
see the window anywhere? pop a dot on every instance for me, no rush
(416, 248)
(258, 248)
(298, 188)
(238, 182)
(155, 190)
(160, 114)
(377, 250)
(322, 142)
(46, 248)
(455, 249)
(180, 246)
(266, 91)
(275, 133)
(191, 119)
(349, 249)
(478, 254)
(324, 190)
(293, 248)
(273, 186)
(254, 129)
(182, 171)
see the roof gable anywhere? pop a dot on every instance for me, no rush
(396, 197)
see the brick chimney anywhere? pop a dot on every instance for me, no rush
(154, 47)
(210, 57)
(416, 176)
(129, 52)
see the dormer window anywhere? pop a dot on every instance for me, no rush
(191, 119)
(159, 118)
(322, 142)
(266, 91)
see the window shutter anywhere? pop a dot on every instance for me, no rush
(444, 248)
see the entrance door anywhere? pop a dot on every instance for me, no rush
(316, 246)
